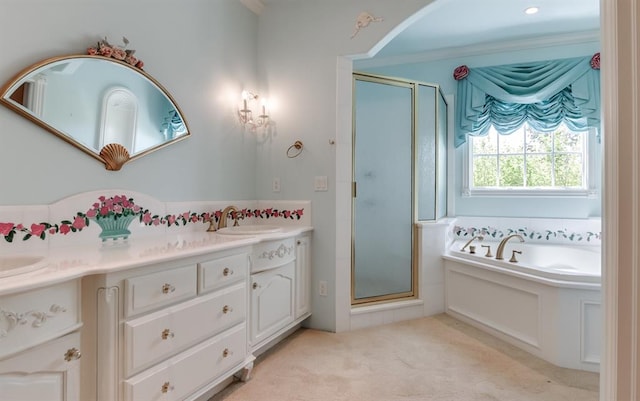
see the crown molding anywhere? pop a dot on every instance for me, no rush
(483, 49)
(254, 5)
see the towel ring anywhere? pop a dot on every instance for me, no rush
(295, 149)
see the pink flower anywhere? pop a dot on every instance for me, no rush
(136, 208)
(19, 227)
(92, 212)
(52, 231)
(5, 228)
(146, 218)
(118, 53)
(595, 61)
(37, 229)
(92, 51)
(104, 210)
(78, 223)
(140, 64)
(171, 219)
(460, 72)
(131, 60)
(106, 51)
(65, 228)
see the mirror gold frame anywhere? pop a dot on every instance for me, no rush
(113, 154)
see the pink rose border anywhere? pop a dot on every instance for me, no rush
(77, 223)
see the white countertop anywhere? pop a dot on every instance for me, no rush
(74, 261)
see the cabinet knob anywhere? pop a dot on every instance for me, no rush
(168, 288)
(298, 242)
(227, 272)
(72, 354)
(166, 334)
(166, 387)
(226, 353)
(227, 309)
(255, 286)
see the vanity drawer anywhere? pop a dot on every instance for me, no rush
(158, 335)
(271, 254)
(181, 375)
(154, 290)
(222, 272)
(33, 317)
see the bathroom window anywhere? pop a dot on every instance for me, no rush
(529, 162)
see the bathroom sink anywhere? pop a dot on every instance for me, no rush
(12, 265)
(249, 230)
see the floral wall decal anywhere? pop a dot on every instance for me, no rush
(363, 21)
(122, 206)
(546, 235)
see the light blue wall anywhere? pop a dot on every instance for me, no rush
(440, 72)
(203, 52)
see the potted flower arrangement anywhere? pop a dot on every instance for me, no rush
(114, 215)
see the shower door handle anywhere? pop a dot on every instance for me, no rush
(354, 189)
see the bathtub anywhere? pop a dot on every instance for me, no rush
(547, 303)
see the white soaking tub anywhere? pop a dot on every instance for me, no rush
(547, 303)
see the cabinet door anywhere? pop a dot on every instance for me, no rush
(49, 372)
(303, 276)
(272, 300)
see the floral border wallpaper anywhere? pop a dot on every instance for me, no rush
(546, 235)
(122, 206)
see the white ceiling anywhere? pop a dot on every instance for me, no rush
(463, 23)
(450, 24)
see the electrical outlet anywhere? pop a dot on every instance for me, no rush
(275, 186)
(322, 288)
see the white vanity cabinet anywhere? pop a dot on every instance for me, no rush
(40, 346)
(172, 331)
(303, 276)
(280, 289)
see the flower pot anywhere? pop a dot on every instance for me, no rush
(115, 227)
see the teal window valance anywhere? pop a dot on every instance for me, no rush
(543, 94)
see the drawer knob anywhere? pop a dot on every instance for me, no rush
(72, 355)
(226, 353)
(166, 387)
(227, 272)
(227, 309)
(168, 288)
(166, 334)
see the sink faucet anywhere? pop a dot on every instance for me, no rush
(478, 237)
(502, 243)
(223, 218)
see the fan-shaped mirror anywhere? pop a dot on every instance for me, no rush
(113, 111)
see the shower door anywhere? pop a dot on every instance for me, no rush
(382, 248)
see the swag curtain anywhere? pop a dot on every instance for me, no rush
(543, 94)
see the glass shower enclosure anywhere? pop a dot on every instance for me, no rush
(399, 178)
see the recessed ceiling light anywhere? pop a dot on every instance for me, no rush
(531, 10)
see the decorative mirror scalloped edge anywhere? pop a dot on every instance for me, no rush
(113, 155)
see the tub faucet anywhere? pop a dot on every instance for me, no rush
(502, 243)
(223, 218)
(478, 237)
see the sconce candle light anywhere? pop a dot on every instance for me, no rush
(246, 115)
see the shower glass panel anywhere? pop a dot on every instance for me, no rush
(431, 152)
(426, 152)
(382, 253)
(441, 157)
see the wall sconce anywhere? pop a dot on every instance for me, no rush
(246, 115)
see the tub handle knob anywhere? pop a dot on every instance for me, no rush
(488, 254)
(513, 256)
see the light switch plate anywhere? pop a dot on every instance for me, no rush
(320, 183)
(275, 186)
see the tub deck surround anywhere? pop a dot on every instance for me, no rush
(548, 303)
